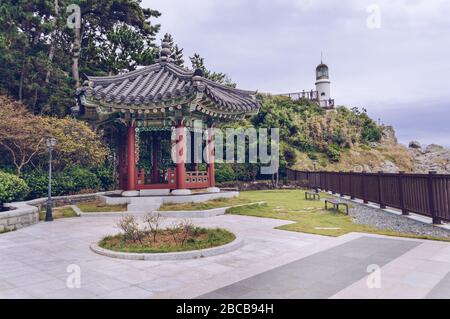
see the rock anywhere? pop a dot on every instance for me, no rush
(415, 145)
(388, 135)
(432, 148)
(389, 167)
(433, 158)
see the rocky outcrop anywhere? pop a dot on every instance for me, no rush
(432, 158)
(388, 135)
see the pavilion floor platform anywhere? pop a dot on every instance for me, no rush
(147, 204)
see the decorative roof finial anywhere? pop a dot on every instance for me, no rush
(166, 49)
(321, 57)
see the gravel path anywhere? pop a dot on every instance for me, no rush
(380, 219)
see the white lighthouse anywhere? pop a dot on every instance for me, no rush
(323, 84)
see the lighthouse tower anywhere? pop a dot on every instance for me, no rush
(323, 86)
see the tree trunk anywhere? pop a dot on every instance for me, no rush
(51, 53)
(22, 75)
(76, 56)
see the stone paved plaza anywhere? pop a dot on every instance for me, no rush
(271, 264)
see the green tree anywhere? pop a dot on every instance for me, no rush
(198, 63)
(113, 21)
(41, 57)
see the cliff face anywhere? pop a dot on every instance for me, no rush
(388, 155)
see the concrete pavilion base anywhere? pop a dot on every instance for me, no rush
(181, 192)
(130, 193)
(213, 190)
(154, 192)
(152, 203)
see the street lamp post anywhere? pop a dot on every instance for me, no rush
(51, 142)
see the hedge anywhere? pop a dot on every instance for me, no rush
(70, 181)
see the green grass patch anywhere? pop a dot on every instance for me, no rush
(215, 203)
(199, 238)
(309, 216)
(96, 207)
(59, 212)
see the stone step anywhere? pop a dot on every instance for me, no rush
(142, 208)
(141, 204)
(154, 192)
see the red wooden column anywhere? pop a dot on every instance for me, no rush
(131, 140)
(211, 177)
(180, 155)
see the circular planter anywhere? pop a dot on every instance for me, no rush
(193, 254)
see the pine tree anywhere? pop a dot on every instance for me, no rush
(198, 62)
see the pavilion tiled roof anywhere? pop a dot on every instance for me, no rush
(165, 85)
(162, 82)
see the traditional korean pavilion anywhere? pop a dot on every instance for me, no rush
(145, 107)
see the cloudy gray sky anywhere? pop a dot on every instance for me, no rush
(399, 72)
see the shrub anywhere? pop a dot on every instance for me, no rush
(224, 173)
(38, 182)
(370, 132)
(83, 179)
(105, 176)
(73, 180)
(333, 152)
(12, 188)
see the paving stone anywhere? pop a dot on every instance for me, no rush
(323, 274)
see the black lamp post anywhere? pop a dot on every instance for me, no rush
(51, 142)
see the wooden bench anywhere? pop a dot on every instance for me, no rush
(336, 203)
(311, 195)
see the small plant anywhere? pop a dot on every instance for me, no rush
(181, 231)
(153, 221)
(186, 227)
(130, 227)
(174, 230)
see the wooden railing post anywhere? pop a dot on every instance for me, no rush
(307, 178)
(400, 193)
(340, 184)
(333, 190)
(364, 187)
(350, 177)
(380, 191)
(432, 206)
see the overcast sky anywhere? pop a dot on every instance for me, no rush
(396, 66)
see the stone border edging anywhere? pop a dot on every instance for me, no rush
(206, 213)
(237, 243)
(201, 213)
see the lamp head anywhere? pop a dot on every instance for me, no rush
(51, 142)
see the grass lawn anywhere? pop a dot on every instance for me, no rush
(59, 212)
(167, 241)
(310, 216)
(95, 207)
(215, 203)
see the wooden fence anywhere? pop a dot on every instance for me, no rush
(424, 194)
